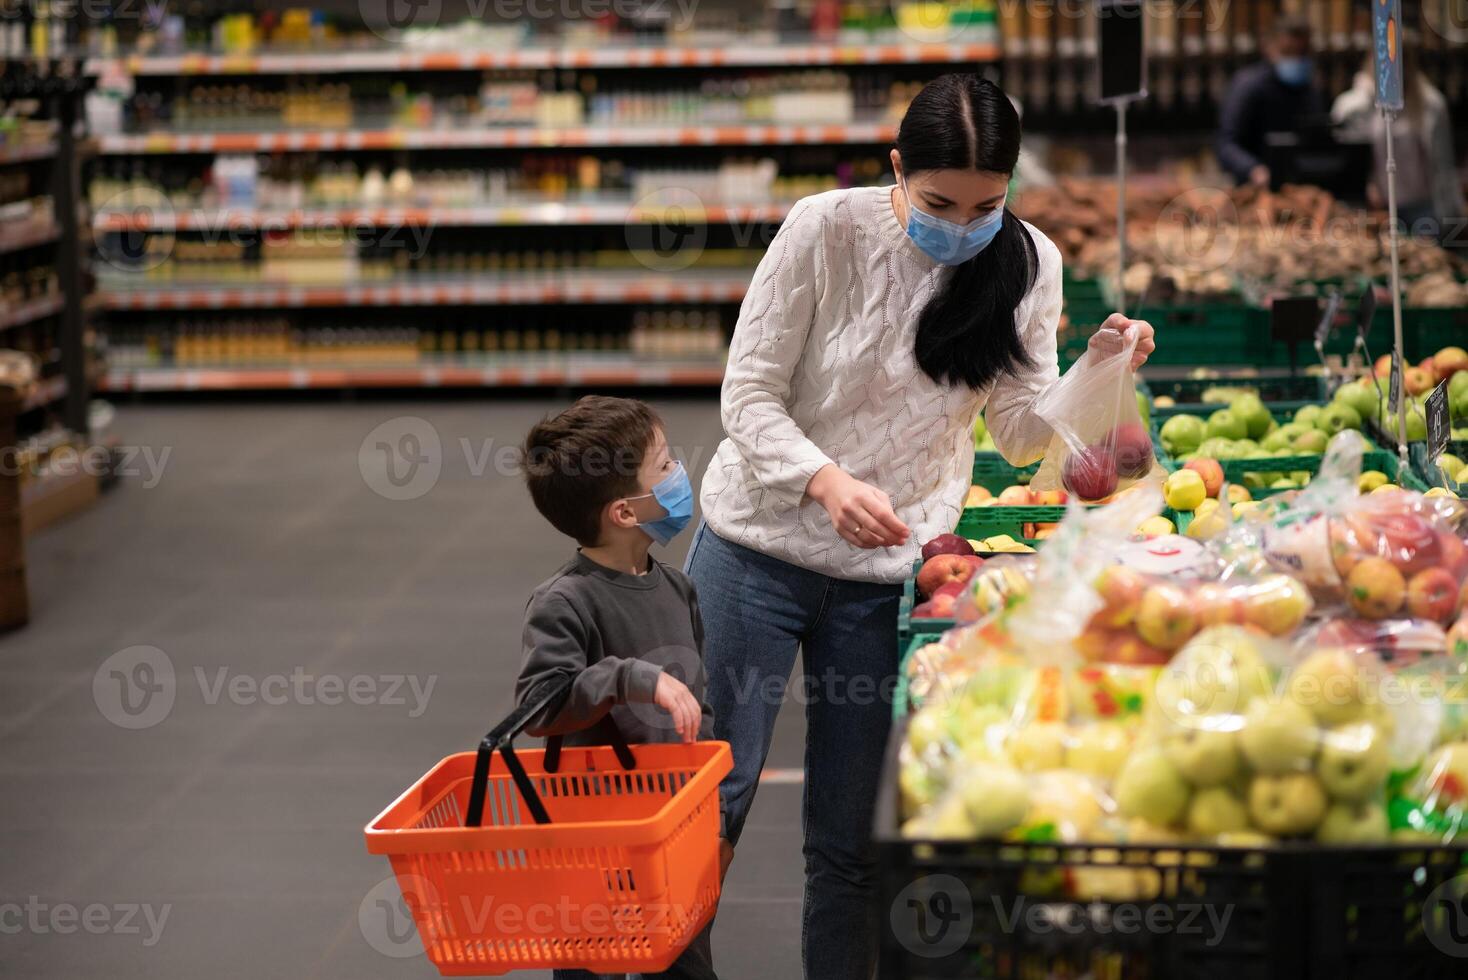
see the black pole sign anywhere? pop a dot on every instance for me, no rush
(1438, 429)
(1121, 50)
(1394, 393)
(1326, 327)
(1366, 312)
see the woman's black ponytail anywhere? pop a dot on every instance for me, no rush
(967, 333)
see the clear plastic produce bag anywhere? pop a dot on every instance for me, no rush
(1101, 444)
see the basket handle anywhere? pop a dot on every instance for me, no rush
(501, 737)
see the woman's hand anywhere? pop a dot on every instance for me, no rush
(861, 513)
(1108, 339)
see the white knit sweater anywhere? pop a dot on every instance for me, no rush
(821, 370)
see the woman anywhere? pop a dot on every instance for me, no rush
(879, 324)
(1429, 193)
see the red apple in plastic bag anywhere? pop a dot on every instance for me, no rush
(1090, 473)
(1133, 450)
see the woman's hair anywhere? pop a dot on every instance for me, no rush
(967, 333)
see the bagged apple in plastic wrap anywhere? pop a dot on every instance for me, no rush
(1100, 444)
(1251, 741)
(1382, 556)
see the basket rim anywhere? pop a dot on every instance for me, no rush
(715, 763)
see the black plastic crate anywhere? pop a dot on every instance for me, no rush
(1291, 912)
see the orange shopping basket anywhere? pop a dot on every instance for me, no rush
(596, 858)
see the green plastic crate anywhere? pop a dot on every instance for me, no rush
(1214, 334)
(984, 522)
(994, 473)
(903, 703)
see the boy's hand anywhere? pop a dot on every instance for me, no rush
(673, 696)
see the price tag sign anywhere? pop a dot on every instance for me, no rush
(1387, 24)
(1438, 430)
(1366, 312)
(1293, 319)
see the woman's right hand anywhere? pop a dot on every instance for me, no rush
(861, 513)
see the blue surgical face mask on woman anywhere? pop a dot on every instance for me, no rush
(675, 494)
(948, 243)
(1294, 72)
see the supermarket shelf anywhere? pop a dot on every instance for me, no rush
(26, 153)
(28, 312)
(533, 213)
(527, 371)
(485, 137)
(321, 63)
(45, 392)
(33, 233)
(581, 287)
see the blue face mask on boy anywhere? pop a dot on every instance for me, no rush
(675, 494)
(1294, 72)
(948, 243)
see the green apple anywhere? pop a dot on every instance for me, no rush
(928, 727)
(1149, 787)
(1144, 410)
(1360, 396)
(1292, 803)
(1293, 430)
(1458, 395)
(1224, 424)
(1311, 441)
(995, 797)
(1276, 442)
(1037, 746)
(1354, 823)
(1216, 674)
(1217, 810)
(1337, 418)
(1255, 416)
(1099, 749)
(1279, 736)
(1244, 448)
(1203, 757)
(1217, 448)
(1451, 466)
(1355, 761)
(920, 786)
(1330, 685)
(1307, 415)
(1181, 434)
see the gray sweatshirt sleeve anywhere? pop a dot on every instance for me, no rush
(556, 642)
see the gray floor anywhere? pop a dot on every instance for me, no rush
(257, 550)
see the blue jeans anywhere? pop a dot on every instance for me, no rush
(757, 611)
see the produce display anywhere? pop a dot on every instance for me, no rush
(1297, 676)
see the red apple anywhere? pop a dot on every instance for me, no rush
(1408, 541)
(1121, 590)
(975, 562)
(1128, 649)
(952, 587)
(1217, 604)
(943, 606)
(1210, 471)
(1384, 366)
(1133, 450)
(941, 569)
(1016, 497)
(1417, 380)
(923, 610)
(1450, 360)
(1454, 554)
(1433, 595)
(947, 544)
(1050, 498)
(1090, 474)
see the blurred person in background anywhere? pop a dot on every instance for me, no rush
(1429, 188)
(1275, 96)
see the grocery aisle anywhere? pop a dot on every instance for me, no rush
(266, 555)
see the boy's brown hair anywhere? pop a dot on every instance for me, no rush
(579, 461)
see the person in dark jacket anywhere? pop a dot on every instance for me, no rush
(1274, 96)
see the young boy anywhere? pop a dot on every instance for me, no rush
(620, 624)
